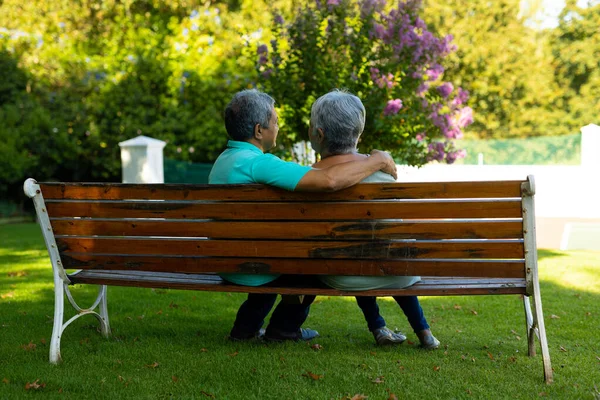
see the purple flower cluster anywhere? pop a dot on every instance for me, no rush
(262, 49)
(392, 107)
(445, 89)
(382, 80)
(461, 97)
(435, 71)
(451, 123)
(436, 151)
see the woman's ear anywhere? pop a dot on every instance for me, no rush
(320, 135)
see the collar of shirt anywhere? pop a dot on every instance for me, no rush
(234, 144)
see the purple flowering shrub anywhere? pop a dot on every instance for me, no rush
(389, 59)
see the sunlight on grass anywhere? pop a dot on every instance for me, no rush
(576, 270)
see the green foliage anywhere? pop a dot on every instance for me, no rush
(388, 59)
(81, 77)
(576, 49)
(506, 66)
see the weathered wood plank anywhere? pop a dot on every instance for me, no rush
(197, 282)
(375, 230)
(287, 211)
(419, 190)
(471, 268)
(295, 249)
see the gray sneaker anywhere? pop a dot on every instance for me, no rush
(428, 341)
(385, 337)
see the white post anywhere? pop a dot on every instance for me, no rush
(142, 160)
(303, 153)
(590, 146)
(480, 159)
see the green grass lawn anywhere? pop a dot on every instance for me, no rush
(171, 344)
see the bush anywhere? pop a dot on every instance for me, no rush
(389, 59)
(77, 79)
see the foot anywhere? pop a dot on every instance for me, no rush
(385, 337)
(240, 337)
(428, 341)
(276, 335)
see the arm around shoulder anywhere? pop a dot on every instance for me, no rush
(341, 176)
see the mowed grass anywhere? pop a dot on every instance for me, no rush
(172, 344)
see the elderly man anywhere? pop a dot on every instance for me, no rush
(337, 120)
(252, 124)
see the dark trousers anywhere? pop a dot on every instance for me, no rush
(286, 317)
(409, 305)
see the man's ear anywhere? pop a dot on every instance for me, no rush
(257, 132)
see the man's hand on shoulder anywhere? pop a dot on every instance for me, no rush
(386, 158)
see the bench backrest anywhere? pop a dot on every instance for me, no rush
(466, 229)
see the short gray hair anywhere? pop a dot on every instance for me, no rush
(245, 110)
(341, 116)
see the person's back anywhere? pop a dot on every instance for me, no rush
(356, 283)
(336, 122)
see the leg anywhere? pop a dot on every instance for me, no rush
(539, 321)
(376, 323)
(105, 325)
(251, 315)
(531, 328)
(59, 310)
(289, 317)
(414, 313)
(370, 309)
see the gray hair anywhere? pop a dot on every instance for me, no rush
(245, 110)
(341, 116)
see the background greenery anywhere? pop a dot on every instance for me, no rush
(171, 343)
(77, 77)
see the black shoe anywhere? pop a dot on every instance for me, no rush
(240, 337)
(276, 335)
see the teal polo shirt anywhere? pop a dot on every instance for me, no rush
(242, 162)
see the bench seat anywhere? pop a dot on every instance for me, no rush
(428, 286)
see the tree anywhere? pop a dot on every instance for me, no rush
(505, 65)
(576, 49)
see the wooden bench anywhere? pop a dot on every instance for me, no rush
(463, 238)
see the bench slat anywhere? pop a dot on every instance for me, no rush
(419, 190)
(467, 268)
(295, 249)
(495, 229)
(203, 282)
(287, 211)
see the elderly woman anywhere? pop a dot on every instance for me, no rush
(337, 120)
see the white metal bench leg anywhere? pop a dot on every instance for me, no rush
(104, 323)
(541, 330)
(531, 328)
(59, 310)
(59, 327)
